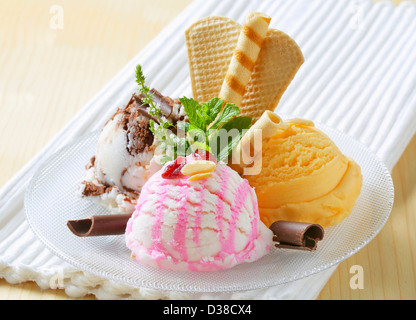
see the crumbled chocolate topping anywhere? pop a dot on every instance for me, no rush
(92, 189)
(91, 163)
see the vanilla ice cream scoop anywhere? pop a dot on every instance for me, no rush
(201, 222)
(125, 154)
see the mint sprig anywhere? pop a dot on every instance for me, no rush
(148, 100)
(213, 126)
(141, 79)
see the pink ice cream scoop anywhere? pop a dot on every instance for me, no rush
(199, 225)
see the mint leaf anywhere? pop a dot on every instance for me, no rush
(203, 113)
(239, 123)
(197, 137)
(213, 126)
(230, 111)
(201, 116)
(192, 109)
(214, 108)
(226, 139)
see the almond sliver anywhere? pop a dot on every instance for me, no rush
(200, 176)
(198, 166)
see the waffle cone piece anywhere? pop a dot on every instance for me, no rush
(213, 44)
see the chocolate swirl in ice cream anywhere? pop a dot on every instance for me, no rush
(125, 153)
(136, 120)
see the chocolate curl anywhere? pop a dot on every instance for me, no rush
(146, 114)
(165, 104)
(297, 235)
(104, 225)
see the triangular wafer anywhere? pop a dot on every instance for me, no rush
(208, 55)
(211, 43)
(279, 60)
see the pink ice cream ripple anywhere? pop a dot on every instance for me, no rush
(203, 225)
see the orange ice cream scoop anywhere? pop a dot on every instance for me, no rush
(305, 177)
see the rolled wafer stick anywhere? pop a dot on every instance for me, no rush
(104, 225)
(249, 147)
(244, 57)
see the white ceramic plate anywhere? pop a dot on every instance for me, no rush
(51, 201)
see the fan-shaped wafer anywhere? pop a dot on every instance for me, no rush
(279, 60)
(211, 43)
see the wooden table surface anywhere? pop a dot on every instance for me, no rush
(48, 73)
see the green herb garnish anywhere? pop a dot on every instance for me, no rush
(212, 126)
(148, 99)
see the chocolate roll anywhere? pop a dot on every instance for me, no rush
(297, 235)
(105, 225)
